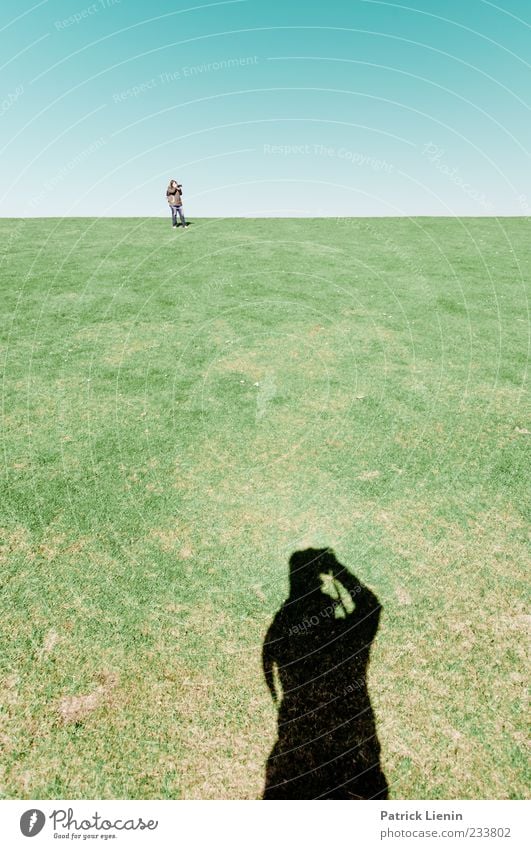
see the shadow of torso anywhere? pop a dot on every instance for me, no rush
(318, 651)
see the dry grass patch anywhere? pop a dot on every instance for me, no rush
(78, 708)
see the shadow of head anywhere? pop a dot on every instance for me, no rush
(312, 571)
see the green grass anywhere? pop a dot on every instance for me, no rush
(183, 410)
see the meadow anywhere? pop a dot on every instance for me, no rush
(181, 411)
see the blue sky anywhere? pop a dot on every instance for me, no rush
(265, 108)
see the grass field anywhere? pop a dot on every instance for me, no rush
(183, 410)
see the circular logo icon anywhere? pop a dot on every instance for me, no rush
(31, 822)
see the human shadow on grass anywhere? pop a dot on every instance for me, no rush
(315, 658)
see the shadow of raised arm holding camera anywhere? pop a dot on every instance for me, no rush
(315, 658)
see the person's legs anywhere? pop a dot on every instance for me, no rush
(181, 215)
(174, 215)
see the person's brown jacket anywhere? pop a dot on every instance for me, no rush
(174, 196)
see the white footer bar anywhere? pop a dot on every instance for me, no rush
(262, 825)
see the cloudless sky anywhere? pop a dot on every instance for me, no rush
(343, 107)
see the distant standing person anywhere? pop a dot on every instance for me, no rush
(174, 198)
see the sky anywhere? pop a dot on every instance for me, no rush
(277, 108)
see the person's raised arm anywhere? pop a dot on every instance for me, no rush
(367, 606)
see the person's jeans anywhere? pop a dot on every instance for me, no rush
(177, 210)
